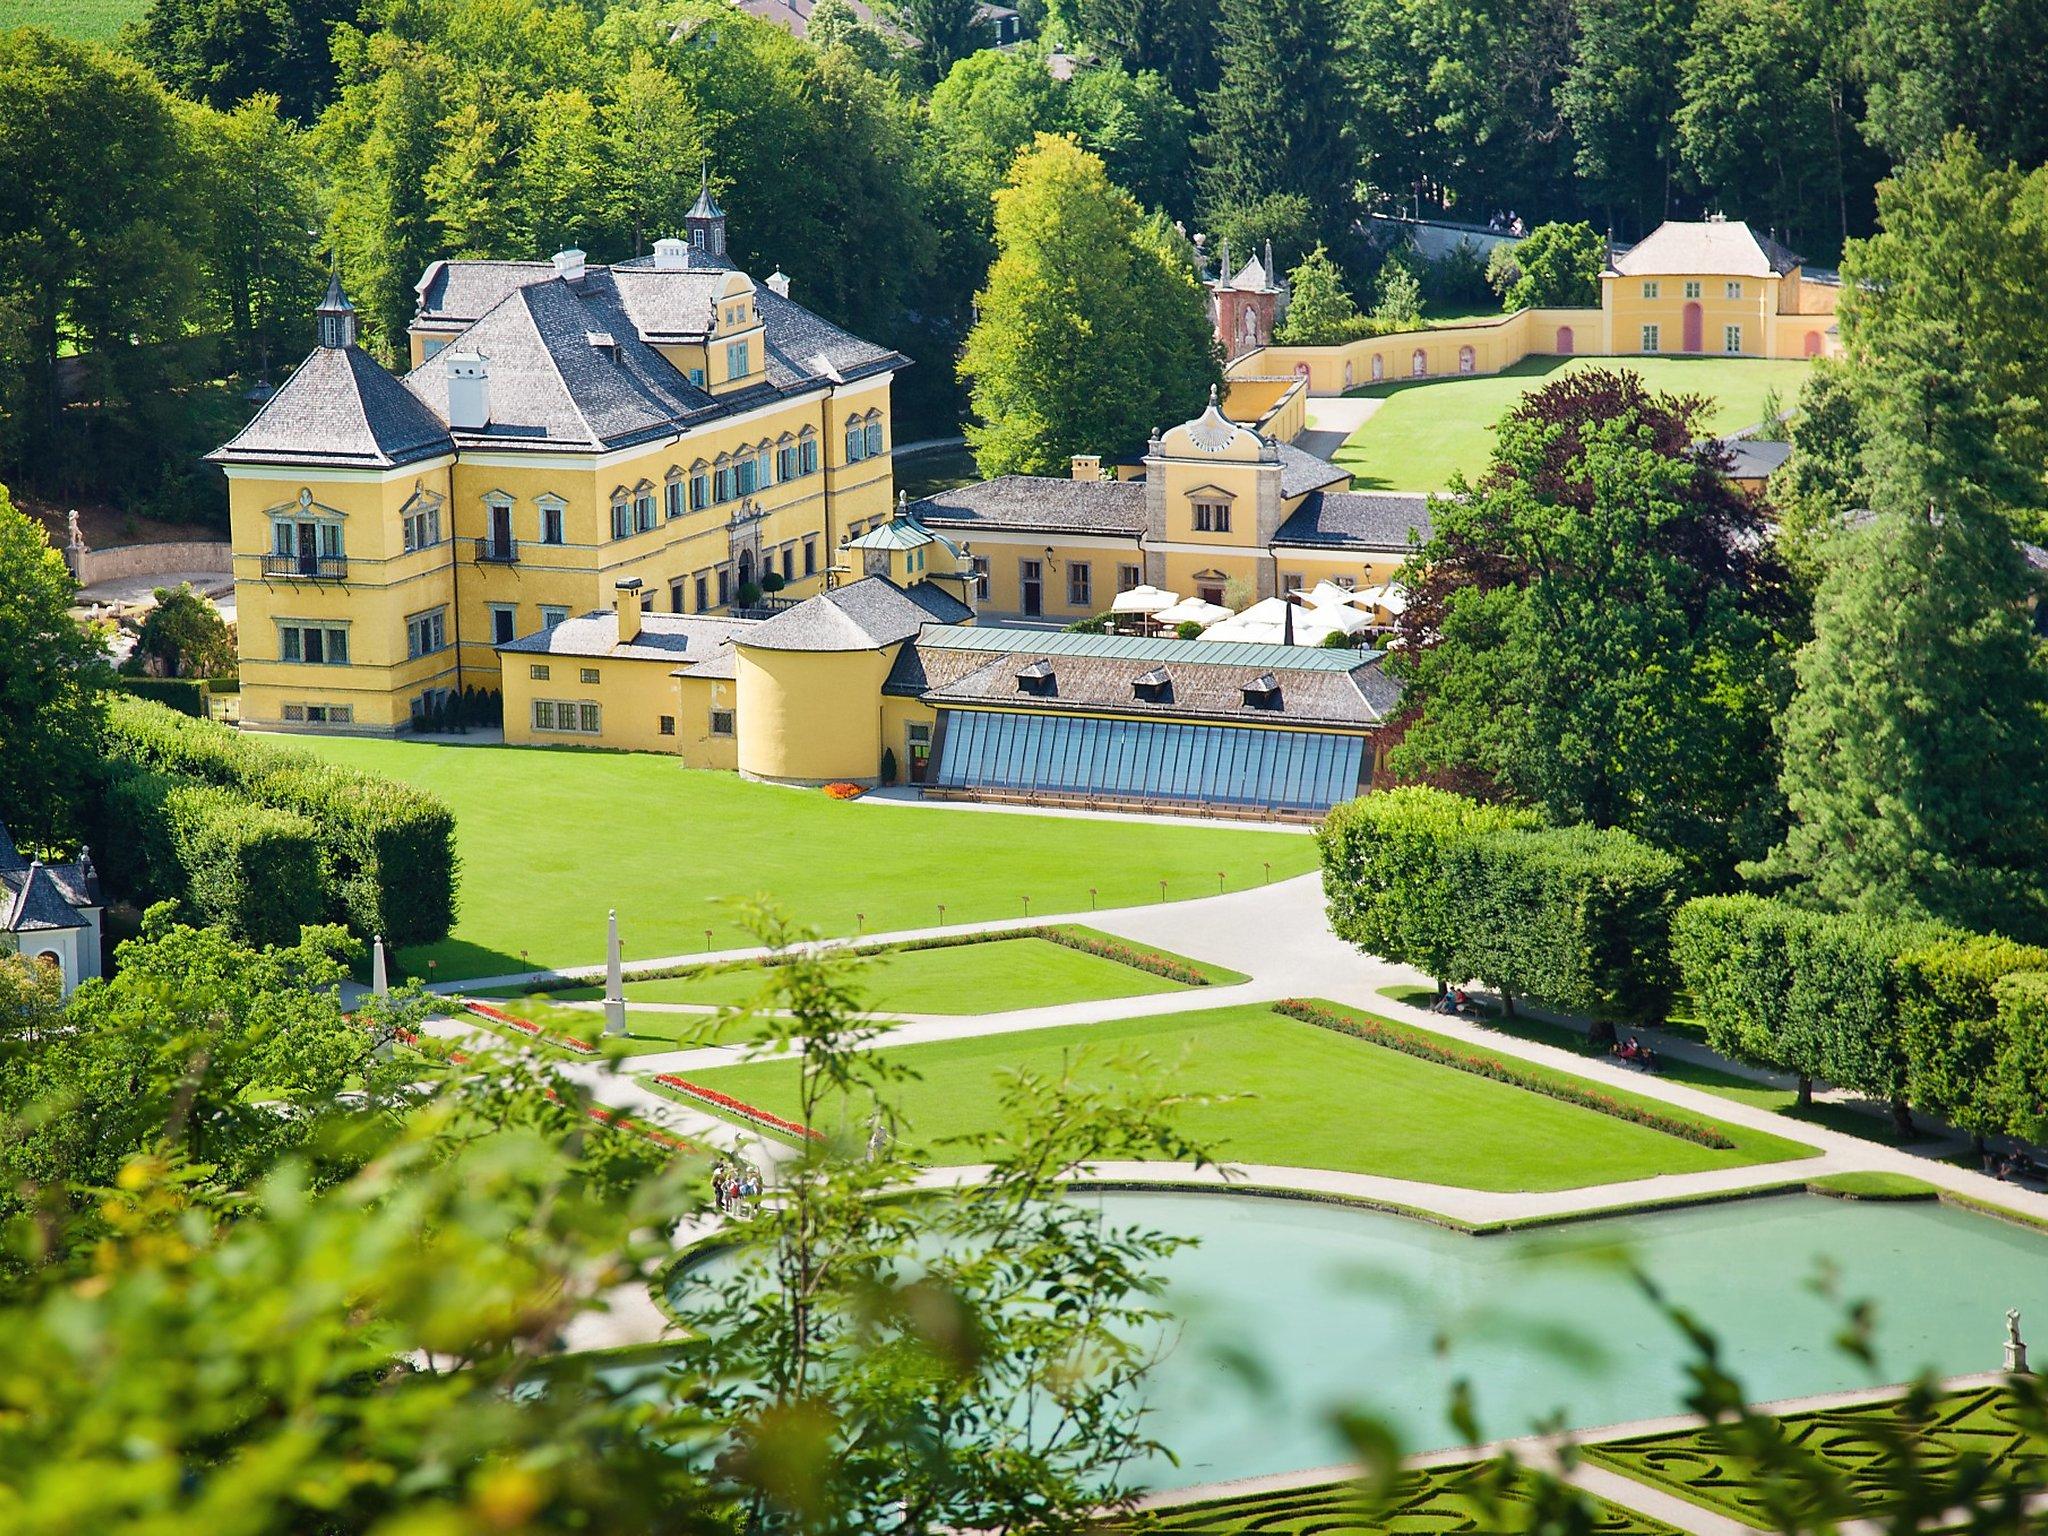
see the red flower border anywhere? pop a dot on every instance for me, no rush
(740, 1107)
(529, 1028)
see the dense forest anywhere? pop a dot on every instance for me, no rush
(168, 209)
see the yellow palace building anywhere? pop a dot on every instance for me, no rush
(564, 427)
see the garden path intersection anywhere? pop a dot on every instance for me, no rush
(1278, 937)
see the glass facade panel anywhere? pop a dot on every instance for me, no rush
(1147, 760)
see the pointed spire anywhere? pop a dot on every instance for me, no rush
(336, 316)
(705, 222)
(706, 206)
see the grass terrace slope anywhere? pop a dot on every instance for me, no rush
(1427, 429)
(98, 21)
(1307, 1098)
(550, 839)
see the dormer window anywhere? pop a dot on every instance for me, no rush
(1037, 679)
(1262, 692)
(1153, 687)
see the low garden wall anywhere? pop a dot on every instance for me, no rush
(1483, 346)
(118, 562)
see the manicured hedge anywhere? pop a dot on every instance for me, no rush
(2022, 1075)
(387, 850)
(1376, 1032)
(186, 695)
(250, 869)
(1573, 916)
(239, 865)
(1956, 1036)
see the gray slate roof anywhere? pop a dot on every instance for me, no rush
(1677, 248)
(698, 645)
(340, 407)
(1039, 503)
(865, 615)
(1375, 520)
(1302, 472)
(551, 388)
(32, 900)
(1197, 686)
(1755, 459)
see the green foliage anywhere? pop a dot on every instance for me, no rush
(1805, 992)
(1286, 219)
(1399, 304)
(1278, 122)
(185, 637)
(387, 850)
(2022, 1085)
(1619, 94)
(49, 711)
(1319, 307)
(1556, 266)
(939, 32)
(1093, 330)
(249, 870)
(223, 52)
(1823, 481)
(1390, 865)
(1934, 65)
(186, 695)
(1598, 629)
(1961, 1062)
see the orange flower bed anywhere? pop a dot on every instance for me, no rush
(844, 791)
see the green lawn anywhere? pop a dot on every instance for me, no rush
(1310, 1098)
(992, 977)
(99, 20)
(1422, 1502)
(647, 1033)
(1859, 1445)
(549, 839)
(1843, 1118)
(1430, 428)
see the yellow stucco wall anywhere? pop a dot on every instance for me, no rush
(1493, 344)
(1007, 553)
(634, 696)
(1747, 305)
(811, 716)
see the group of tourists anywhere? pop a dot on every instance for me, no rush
(1454, 1001)
(2013, 1167)
(1633, 1053)
(735, 1185)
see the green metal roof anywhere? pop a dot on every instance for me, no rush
(1222, 653)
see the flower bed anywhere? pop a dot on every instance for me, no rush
(725, 1101)
(1123, 954)
(1374, 1032)
(529, 1028)
(844, 791)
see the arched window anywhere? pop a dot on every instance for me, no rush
(1467, 361)
(874, 433)
(1813, 343)
(673, 493)
(1349, 376)
(622, 514)
(1379, 368)
(1418, 365)
(1564, 341)
(856, 440)
(807, 452)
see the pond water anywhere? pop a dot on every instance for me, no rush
(1288, 1310)
(1291, 1309)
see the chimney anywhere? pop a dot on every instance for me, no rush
(1087, 466)
(778, 283)
(629, 610)
(469, 391)
(569, 265)
(671, 255)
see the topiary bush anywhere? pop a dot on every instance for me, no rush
(250, 869)
(387, 849)
(186, 695)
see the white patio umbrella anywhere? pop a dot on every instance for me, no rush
(1145, 600)
(1192, 610)
(1326, 594)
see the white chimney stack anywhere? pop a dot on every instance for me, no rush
(469, 391)
(671, 254)
(569, 265)
(778, 281)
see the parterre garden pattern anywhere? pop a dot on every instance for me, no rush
(1434, 1501)
(1850, 1443)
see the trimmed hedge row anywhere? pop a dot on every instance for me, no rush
(248, 868)
(1373, 1032)
(387, 850)
(1577, 917)
(186, 695)
(1913, 1013)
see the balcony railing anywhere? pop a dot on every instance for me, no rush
(497, 551)
(307, 567)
